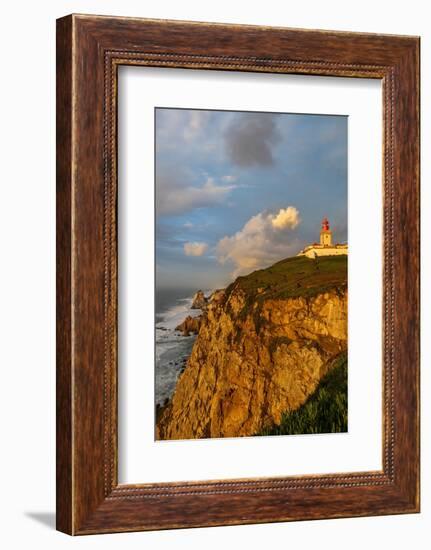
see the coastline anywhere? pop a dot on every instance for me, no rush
(172, 347)
(264, 345)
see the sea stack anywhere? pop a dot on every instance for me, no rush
(199, 300)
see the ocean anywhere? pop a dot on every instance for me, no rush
(172, 348)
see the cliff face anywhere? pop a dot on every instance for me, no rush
(190, 325)
(260, 351)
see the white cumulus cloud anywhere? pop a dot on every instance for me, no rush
(195, 249)
(286, 217)
(264, 239)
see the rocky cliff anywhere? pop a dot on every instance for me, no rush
(190, 325)
(199, 300)
(263, 346)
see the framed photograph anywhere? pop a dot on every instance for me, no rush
(237, 274)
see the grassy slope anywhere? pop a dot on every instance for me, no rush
(324, 412)
(297, 276)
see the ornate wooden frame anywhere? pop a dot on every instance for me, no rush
(89, 51)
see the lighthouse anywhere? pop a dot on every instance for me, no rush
(325, 247)
(325, 233)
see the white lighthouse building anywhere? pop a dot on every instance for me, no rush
(325, 247)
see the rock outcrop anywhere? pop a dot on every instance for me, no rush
(190, 325)
(263, 346)
(199, 300)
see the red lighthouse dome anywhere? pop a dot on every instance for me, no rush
(325, 224)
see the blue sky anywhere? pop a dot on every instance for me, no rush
(237, 191)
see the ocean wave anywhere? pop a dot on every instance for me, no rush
(172, 348)
(176, 314)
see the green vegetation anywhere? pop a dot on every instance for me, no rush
(324, 412)
(297, 276)
(290, 278)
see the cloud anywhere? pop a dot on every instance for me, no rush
(264, 239)
(176, 127)
(250, 139)
(286, 217)
(197, 120)
(174, 198)
(195, 249)
(229, 178)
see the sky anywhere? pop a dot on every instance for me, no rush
(238, 191)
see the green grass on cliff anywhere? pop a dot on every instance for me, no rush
(325, 411)
(292, 277)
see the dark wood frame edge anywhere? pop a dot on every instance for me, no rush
(89, 50)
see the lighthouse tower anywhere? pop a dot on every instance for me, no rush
(325, 233)
(325, 247)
